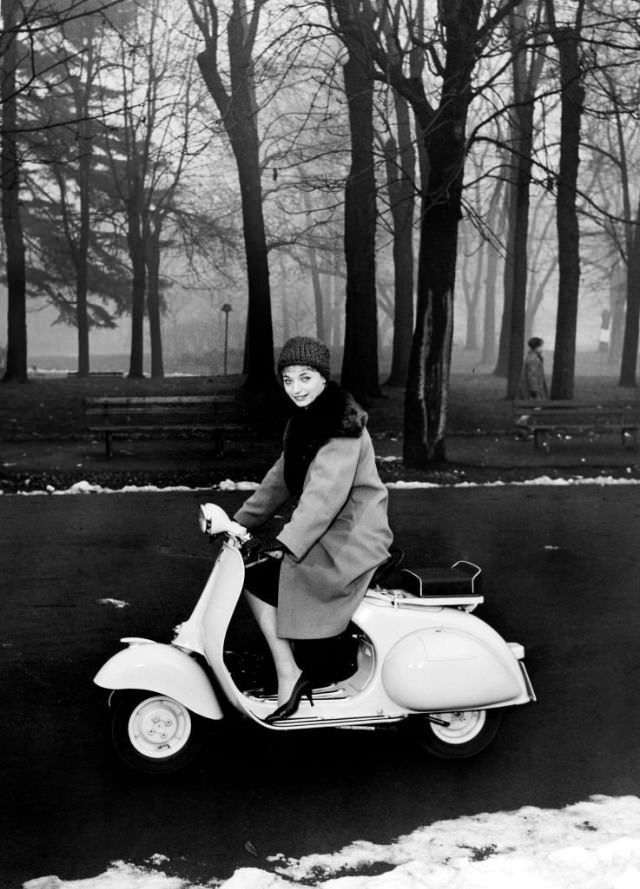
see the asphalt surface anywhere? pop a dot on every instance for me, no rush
(561, 568)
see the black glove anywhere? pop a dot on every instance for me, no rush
(259, 547)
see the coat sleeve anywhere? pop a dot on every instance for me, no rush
(268, 496)
(327, 487)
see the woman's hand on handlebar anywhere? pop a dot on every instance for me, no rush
(259, 547)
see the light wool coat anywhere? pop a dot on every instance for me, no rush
(337, 535)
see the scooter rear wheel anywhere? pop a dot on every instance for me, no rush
(154, 733)
(468, 732)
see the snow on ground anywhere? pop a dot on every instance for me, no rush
(587, 845)
(85, 487)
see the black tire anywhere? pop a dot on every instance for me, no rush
(154, 733)
(468, 733)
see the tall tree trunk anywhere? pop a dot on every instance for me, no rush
(504, 340)
(617, 301)
(16, 362)
(489, 317)
(238, 110)
(360, 359)
(152, 255)
(627, 344)
(400, 165)
(629, 362)
(443, 134)
(135, 242)
(81, 93)
(519, 230)
(526, 74)
(495, 218)
(337, 309)
(567, 41)
(82, 252)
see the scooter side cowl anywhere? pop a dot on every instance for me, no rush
(442, 668)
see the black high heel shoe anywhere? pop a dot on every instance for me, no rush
(302, 687)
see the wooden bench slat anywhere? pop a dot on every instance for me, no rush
(126, 400)
(204, 427)
(216, 414)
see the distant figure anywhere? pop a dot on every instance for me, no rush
(532, 382)
(605, 331)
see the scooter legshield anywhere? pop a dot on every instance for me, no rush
(163, 669)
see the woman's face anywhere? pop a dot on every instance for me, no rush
(302, 384)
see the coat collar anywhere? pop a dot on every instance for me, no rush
(334, 414)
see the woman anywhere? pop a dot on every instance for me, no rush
(338, 532)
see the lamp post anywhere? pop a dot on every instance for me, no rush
(226, 308)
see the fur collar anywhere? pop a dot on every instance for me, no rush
(334, 414)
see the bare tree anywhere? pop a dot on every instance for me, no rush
(235, 100)
(150, 141)
(16, 362)
(453, 47)
(527, 65)
(353, 23)
(622, 232)
(400, 162)
(566, 37)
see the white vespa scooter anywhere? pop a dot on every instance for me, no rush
(421, 657)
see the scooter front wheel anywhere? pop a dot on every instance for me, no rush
(457, 735)
(154, 733)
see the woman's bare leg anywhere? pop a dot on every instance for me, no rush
(287, 670)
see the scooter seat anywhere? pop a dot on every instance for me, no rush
(460, 579)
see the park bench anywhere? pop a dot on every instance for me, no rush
(98, 374)
(221, 416)
(544, 419)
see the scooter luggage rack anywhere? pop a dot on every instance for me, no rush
(456, 586)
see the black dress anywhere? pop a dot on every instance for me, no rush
(262, 580)
(323, 660)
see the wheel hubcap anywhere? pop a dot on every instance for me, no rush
(463, 727)
(159, 727)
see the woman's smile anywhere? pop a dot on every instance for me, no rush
(302, 384)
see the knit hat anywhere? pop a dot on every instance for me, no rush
(305, 351)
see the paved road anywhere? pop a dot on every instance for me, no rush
(562, 568)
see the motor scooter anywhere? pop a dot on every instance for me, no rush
(422, 658)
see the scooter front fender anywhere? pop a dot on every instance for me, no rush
(164, 669)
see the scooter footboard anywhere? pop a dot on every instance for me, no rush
(164, 669)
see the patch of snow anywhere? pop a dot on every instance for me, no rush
(587, 845)
(85, 487)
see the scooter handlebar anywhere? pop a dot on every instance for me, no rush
(214, 520)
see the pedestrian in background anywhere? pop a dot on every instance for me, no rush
(533, 385)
